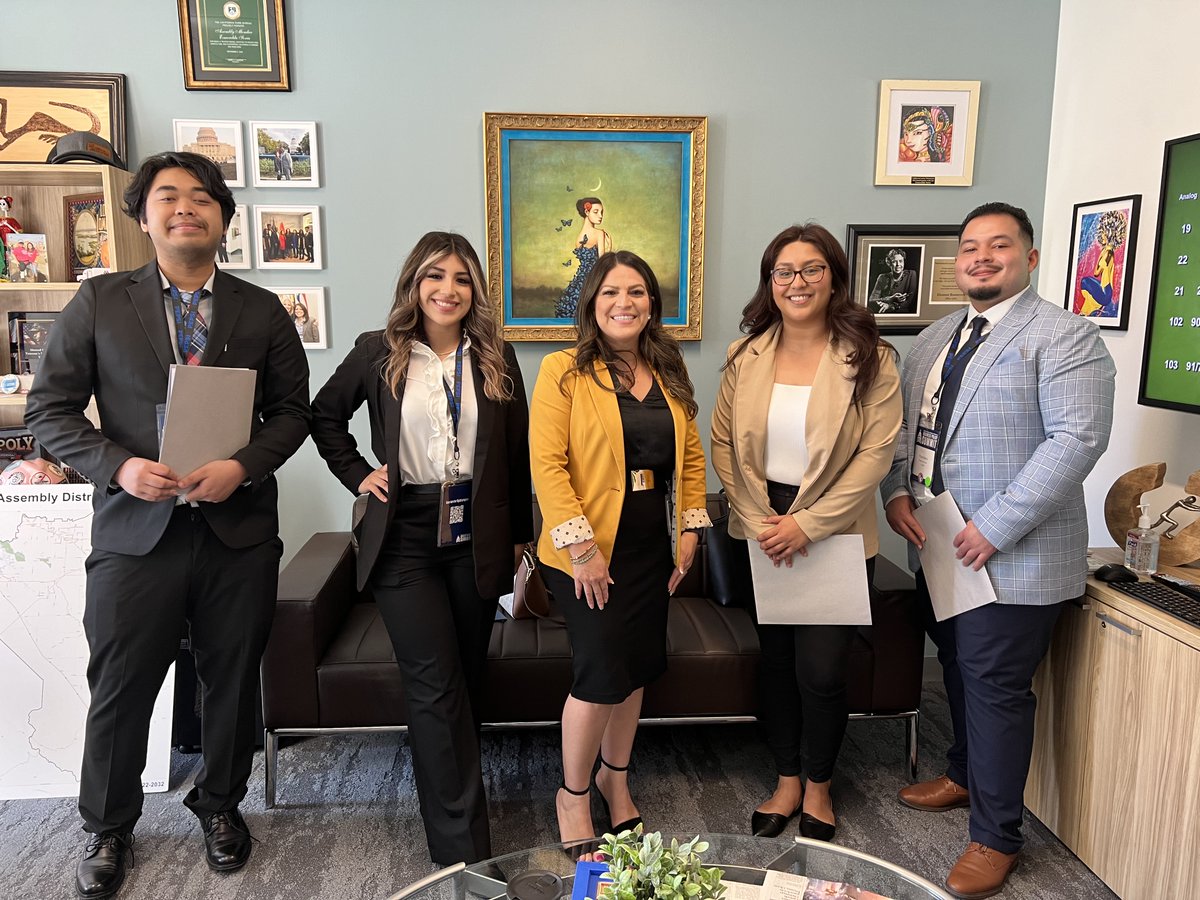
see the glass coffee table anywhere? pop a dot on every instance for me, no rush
(744, 859)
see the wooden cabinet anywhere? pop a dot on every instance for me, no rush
(1116, 762)
(38, 192)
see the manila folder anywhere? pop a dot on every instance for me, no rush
(209, 410)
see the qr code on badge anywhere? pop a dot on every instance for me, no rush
(456, 515)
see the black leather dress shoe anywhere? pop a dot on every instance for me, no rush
(226, 840)
(765, 824)
(101, 870)
(812, 827)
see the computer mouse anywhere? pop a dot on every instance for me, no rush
(1114, 572)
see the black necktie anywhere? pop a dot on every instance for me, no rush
(955, 365)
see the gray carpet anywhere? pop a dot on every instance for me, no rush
(347, 825)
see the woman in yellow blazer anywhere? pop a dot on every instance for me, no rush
(805, 424)
(619, 473)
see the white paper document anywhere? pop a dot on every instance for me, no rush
(827, 587)
(209, 413)
(783, 886)
(953, 587)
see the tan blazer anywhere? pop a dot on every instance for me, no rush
(850, 444)
(577, 453)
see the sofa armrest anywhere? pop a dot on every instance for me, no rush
(316, 592)
(897, 638)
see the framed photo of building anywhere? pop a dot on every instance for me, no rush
(285, 154)
(563, 190)
(904, 274)
(40, 107)
(306, 308)
(926, 133)
(1103, 241)
(288, 237)
(85, 226)
(233, 45)
(234, 252)
(219, 140)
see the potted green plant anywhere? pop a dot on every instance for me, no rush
(642, 867)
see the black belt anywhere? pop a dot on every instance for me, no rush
(420, 489)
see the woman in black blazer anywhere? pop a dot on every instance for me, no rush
(447, 405)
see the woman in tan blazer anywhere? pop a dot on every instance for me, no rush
(803, 431)
(619, 473)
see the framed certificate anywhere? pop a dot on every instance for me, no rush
(233, 45)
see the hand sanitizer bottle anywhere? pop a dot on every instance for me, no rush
(1141, 545)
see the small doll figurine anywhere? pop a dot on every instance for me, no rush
(8, 225)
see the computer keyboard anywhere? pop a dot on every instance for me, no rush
(1169, 600)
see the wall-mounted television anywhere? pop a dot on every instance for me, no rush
(1171, 358)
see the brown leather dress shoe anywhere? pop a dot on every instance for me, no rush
(980, 872)
(938, 795)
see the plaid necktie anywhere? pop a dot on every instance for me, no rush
(193, 350)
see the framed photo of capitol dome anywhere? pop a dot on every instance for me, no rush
(220, 141)
(927, 133)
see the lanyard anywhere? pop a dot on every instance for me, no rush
(954, 356)
(185, 325)
(454, 401)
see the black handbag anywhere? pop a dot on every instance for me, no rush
(728, 564)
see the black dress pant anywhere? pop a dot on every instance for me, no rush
(136, 610)
(803, 671)
(440, 627)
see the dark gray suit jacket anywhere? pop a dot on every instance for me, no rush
(112, 341)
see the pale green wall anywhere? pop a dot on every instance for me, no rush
(398, 89)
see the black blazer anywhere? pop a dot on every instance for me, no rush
(112, 340)
(501, 499)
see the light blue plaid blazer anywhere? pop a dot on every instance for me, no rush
(1032, 417)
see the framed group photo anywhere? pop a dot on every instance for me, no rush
(37, 107)
(234, 251)
(1103, 241)
(904, 274)
(285, 154)
(219, 140)
(305, 306)
(288, 237)
(563, 190)
(926, 133)
(233, 45)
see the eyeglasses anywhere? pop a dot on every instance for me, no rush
(809, 275)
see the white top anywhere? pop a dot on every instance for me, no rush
(787, 448)
(426, 429)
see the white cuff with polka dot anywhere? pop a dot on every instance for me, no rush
(696, 518)
(571, 531)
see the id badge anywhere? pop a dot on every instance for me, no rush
(454, 514)
(925, 452)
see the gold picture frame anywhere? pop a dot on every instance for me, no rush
(539, 172)
(926, 135)
(234, 45)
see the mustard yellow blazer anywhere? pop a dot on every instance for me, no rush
(850, 444)
(577, 453)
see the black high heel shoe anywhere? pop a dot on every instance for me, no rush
(617, 827)
(577, 849)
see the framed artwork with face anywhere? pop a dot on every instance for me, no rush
(926, 133)
(564, 190)
(1103, 241)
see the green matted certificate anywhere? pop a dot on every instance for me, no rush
(234, 45)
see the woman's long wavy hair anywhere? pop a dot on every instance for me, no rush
(406, 322)
(659, 350)
(851, 326)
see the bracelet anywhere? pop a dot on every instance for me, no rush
(584, 557)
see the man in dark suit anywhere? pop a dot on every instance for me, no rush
(171, 549)
(1008, 405)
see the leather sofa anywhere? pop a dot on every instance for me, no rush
(329, 666)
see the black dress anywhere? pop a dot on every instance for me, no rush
(623, 647)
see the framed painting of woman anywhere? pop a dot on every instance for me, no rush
(927, 133)
(563, 190)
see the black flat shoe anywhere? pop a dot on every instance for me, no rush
(101, 870)
(812, 827)
(765, 824)
(226, 840)
(617, 827)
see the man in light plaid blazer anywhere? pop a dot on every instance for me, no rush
(1032, 415)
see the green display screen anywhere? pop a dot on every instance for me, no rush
(1171, 361)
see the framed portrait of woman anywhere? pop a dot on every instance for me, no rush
(563, 190)
(926, 134)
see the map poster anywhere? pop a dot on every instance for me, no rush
(44, 539)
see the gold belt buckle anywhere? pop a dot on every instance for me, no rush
(641, 479)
